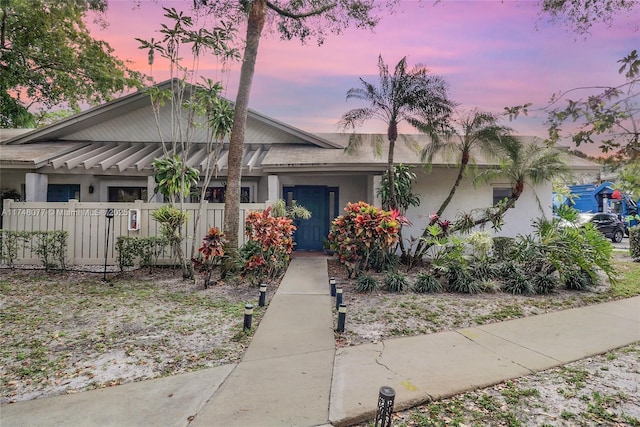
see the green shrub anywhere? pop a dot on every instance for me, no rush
(127, 249)
(544, 283)
(461, 281)
(150, 250)
(482, 269)
(12, 243)
(481, 242)
(383, 260)
(514, 279)
(427, 283)
(502, 246)
(634, 242)
(146, 250)
(51, 246)
(365, 283)
(578, 280)
(396, 282)
(570, 248)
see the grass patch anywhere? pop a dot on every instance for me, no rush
(628, 280)
(503, 313)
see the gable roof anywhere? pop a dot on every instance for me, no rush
(130, 119)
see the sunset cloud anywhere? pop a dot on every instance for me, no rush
(492, 53)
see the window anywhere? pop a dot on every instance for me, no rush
(63, 192)
(127, 194)
(500, 193)
(216, 195)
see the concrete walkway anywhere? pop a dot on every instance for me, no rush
(291, 374)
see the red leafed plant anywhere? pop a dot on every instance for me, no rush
(268, 251)
(210, 254)
(364, 233)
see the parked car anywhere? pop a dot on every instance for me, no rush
(607, 223)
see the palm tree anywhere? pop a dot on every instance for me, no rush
(476, 130)
(414, 96)
(523, 165)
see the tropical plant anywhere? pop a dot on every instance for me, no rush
(414, 96)
(358, 235)
(475, 132)
(544, 283)
(426, 282)
(365, 283)
(403, 181)
(280, 209)
(268, 252)
(174, 178)
(48, 54)
(210, 254)
(396, 282)
(523, 165)
(481, 242)
(171, 221)
(301, 19)
(193, 105)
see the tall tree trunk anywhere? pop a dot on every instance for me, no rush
(463, 166)
(255, 24)
(392, 134)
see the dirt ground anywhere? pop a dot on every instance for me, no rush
(70, 332)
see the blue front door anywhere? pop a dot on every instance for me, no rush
(321, 201)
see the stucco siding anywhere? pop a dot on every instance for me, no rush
(434, 187)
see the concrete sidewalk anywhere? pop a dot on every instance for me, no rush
(291, 374)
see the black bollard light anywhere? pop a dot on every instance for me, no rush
(263, 294)
(338, 298)
(248, 314)
(342, 315)
(332, 286)
(386, 397)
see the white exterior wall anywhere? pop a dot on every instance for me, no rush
(434, 187)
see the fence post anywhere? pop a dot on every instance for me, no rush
(70, 224)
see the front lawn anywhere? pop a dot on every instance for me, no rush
(67, 332)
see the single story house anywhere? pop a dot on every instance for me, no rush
(105, 154)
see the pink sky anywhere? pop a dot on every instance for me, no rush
(492, 53)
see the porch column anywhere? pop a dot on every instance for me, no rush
(375, 187)
(273, 187)
(35, 187)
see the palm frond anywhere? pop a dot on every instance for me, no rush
(355, 142)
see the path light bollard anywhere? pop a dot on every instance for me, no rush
(332, 286)
(342, 315)
(248, 314)
(338, 298)
(263, 294)
(386, 397)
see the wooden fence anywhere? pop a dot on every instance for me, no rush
(87, 225)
